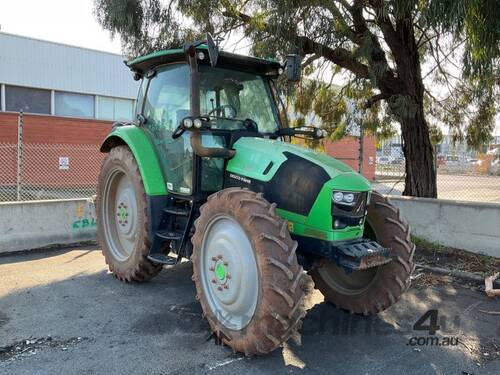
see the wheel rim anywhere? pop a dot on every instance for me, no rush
(120, 215)
(353, 283)
(228, 273)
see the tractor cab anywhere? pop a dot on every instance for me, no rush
(230, 103)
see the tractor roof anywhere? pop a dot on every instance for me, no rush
(251, 64)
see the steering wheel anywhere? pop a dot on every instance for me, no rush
(222, 107)
(179, 130)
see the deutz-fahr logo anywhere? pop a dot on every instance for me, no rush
(240, 178)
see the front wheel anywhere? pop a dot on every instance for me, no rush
(246, 273)
(122, 224)
(372, 290)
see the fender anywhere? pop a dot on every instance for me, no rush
(144, 152)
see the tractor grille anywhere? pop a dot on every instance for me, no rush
(349, 216)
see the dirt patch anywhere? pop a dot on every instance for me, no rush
(455, 259)
(481, 351)
(32, 346)
(421, 280)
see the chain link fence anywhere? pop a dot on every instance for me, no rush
(465, 177)
(48, 171)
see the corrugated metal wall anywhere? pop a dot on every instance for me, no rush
(37, 63)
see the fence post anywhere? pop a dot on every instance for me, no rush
(361, 148)
(20, 123)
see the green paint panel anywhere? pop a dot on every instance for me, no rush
(144, 152)
(253, 155)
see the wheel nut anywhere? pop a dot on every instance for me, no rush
(214, 281)
(219, 288)
(214, 259)
(212, 269)
(226, 287)
(226, 264)
(228, 276)
(219, 256)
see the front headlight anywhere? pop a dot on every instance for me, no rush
(349, 208)
(343, 198)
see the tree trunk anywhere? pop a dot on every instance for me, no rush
(420, 180)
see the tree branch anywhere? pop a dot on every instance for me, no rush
(375, 98)
(339, 56)
(310, 60)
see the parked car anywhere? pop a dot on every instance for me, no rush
(383, 160)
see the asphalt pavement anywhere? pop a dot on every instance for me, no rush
(61, 312)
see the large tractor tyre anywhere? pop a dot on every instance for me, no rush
(122, 219)
(375, 289)
(245, 269)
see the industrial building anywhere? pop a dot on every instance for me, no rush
(63, 85)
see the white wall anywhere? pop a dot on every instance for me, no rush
(35, 224)
(36, 63)
(469, 226)
(464, 225)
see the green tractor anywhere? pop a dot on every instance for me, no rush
(204, 173)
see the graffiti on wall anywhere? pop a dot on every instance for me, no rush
(84, 217)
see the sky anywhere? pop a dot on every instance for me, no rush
(64, 21)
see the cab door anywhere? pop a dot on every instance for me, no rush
(166, 103)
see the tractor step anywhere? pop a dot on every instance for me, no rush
(360, 254)
(352, 255)
(177, 211)
(170, 235)
(162, 259)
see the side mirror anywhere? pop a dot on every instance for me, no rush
(213, 50)
(293, 67)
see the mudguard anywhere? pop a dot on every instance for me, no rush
(145, 155)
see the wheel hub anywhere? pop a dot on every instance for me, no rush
(220, 271)
(122, 214)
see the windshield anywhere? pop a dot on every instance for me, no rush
(230, 97)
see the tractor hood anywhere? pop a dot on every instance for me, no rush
(261, 158)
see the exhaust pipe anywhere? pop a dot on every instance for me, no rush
(194, 94)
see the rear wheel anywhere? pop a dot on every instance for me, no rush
(122, 218)
(375, 289)
(246, 273)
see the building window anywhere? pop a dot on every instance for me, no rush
(106, 108)
(115, 108)
(74, 105)
(26, 99)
